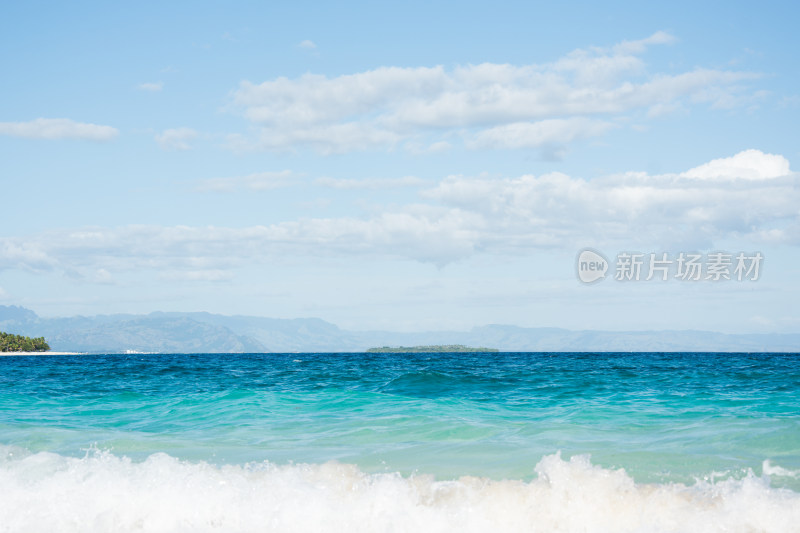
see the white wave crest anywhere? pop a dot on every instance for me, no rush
(103, 493)
(774, 470)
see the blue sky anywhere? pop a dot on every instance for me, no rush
(399, 167)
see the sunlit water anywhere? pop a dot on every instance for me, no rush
(404, 442)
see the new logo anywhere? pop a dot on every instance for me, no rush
(591, 266)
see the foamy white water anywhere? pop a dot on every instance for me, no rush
(102, 492)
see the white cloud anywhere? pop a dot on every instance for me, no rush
(327, 138)
(370, 183)
(637, 47)
(154, 86)
(58, 128)
(176, 139)
(416, 147)
(460, 217)
(25, 254)
(100, 276)
(634, 208)
(259, 181)
(749, 165)
(439, 146)
(424, 105)
(309, 45)
(538, 134)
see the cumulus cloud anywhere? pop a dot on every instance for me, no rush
(639, 46)
(259, 181)
(308, 45)
(636, 208)
(176, 139)
(25, 254)
(551, 132)
(457, 218)
(153, 86)
(488, 102)
(325, 138)
(749, 165)
(58, 128)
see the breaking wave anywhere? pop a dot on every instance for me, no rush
(104, 492)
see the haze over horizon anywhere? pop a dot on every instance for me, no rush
(400, 168)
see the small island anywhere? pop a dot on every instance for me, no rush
(18, 343)
(439, 348)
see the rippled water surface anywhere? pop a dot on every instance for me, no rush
(662, 417)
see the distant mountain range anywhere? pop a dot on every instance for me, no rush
(206, 332)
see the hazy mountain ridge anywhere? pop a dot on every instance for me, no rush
(117, 333)
(207, 332)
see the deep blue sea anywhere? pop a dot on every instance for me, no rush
(400, 442)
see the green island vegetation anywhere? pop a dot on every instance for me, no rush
(18, 343)
(446, 348)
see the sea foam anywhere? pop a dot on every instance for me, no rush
(103, 492)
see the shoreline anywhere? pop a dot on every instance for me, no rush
(9, 354)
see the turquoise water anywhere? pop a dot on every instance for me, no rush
(680, 422)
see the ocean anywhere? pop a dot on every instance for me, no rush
(501, 442)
